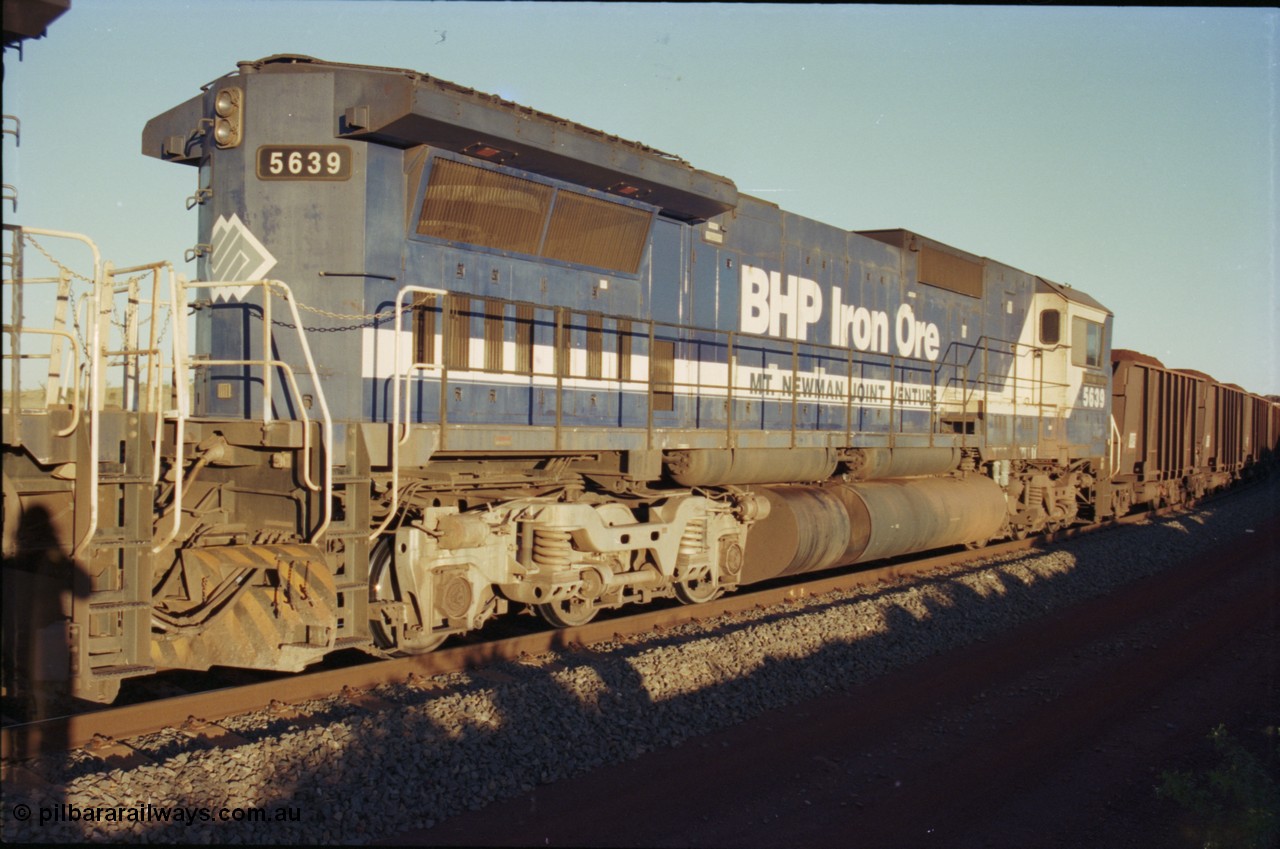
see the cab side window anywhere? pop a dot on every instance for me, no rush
(1050, 327)
(1086, 343)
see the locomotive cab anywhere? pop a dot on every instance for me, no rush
(349, 183)
(455, 356)
(1072, 343)
(500, 301)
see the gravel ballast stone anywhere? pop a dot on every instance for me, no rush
(460, 741)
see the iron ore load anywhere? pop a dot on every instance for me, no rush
(455, 358)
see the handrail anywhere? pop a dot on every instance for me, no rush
(969, 369)
(326, 488)
(99, 306)
(327, 436)
(75, 367)
(396, 438)
(965, 370)
(132, 352)
(180, 378)
(1114, 449)
(96, 378)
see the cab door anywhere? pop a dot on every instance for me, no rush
(668, 295)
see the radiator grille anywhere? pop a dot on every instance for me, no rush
(492, 209)
(468, 204)
(591, 231)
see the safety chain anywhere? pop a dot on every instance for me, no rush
(72, 306)
(67, 271)
(365, 319)
(376, 320)
(71, 299)
(373, 319)
(352, 316)
(74, 309)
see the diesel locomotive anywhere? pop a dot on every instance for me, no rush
(454, 357)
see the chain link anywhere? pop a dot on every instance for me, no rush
(366, 319)
(67, 271)
(372, 319)
(116, 321)
(72, 306)
(380, 318)
(74, 309)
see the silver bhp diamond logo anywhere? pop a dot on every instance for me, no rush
(236, 255)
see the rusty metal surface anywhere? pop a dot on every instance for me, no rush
(751, 465)
(809, 528)
(905, 516)
(25, 19)
(274, 614)
(22, 741)
(1046, 735)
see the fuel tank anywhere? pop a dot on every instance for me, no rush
(810, 528)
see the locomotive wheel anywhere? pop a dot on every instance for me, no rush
(392, 581)
(568, 613)
(697, 590)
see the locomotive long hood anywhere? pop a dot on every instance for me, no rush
(404, 108)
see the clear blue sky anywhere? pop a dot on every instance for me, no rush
(1132, 153)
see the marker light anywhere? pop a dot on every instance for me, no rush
(228, 129)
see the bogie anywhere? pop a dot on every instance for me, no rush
(540, 368)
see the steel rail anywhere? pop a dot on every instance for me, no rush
(26, 740)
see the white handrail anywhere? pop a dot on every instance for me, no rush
(1113, 452)
(75, 367)
(395, 424)
(326, 488)
(96, 383)
(178, 321)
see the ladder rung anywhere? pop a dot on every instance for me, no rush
(103, 540)
(121, 671)
(110, 478)
(115, 606)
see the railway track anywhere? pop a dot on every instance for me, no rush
(100, 730)
(373, 763)
(1052, 734)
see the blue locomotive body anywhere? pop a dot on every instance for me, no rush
(575, 270)
(527, 362)
(454, 355)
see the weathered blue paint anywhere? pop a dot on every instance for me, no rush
(825, 303)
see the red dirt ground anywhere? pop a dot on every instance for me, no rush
(1054, 734)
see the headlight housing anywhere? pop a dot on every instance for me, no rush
(228, 126)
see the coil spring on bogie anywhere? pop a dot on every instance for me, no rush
(1035, 496)
(552, 548)
(692, 542)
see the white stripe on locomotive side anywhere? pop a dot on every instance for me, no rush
(691, 377)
